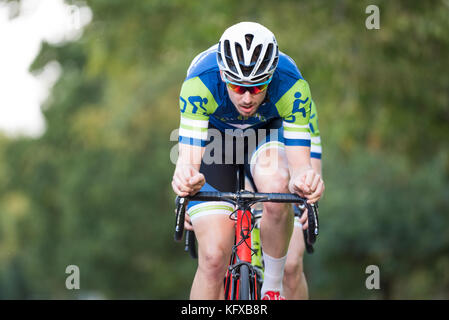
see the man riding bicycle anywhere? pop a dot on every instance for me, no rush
(243, 88)
(295, 283)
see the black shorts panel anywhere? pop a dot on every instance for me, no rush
(223, 176)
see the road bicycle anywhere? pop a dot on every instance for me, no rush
(243, 279)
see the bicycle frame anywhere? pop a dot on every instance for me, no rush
(241, 251)
(241, 259)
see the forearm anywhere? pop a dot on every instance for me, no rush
(304, 179)
(190, 156)
(298, 159)
(316, 165)
(187, 179)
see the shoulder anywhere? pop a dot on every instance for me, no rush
(203, 75)
(290, 92)
(288, 82)
(287, 67)
(203, 63)
(201, 88)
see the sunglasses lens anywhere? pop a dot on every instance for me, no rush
(242, 89)
(258, 89)
(236, 88)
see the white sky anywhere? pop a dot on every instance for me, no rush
(21, 93)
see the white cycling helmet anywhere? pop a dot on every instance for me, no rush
(247, 52)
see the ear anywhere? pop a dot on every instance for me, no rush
(222, 76)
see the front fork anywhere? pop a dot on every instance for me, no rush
(241, 254)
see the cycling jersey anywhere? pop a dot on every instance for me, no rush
(315, 148)
(204, 99)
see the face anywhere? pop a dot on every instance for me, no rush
(246, 103)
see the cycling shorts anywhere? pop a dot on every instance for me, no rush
(222, 175)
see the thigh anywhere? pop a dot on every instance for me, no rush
(219, 177)
(269, 168)
(215, 236)
(268, 161)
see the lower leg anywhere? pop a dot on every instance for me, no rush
(295, 286)
(275, 235)
(294, 282)
(206, 287)
(215, 235)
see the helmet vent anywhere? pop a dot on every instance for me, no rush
(228, 56)
(256, 54)
(274, 64)
(249, 39)
(266, 59)
(239, 51)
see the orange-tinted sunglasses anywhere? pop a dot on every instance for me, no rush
(253, 88)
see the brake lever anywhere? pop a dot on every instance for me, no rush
(313, 229)
(181, 204)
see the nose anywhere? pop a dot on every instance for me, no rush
(247, 98)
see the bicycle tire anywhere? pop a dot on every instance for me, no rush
(244, 283)
(309, 247)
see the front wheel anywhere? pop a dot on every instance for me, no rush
(244, 283)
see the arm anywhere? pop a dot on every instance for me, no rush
(295, 107)
(187, 180)
(192, 138)
(304, 180)
(316, 165)
(315, 148)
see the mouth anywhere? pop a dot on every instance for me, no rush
(247, 109)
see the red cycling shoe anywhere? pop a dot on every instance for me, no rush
(273, 295)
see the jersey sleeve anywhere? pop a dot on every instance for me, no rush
(315, 149)
(294, 108)
(196, 103)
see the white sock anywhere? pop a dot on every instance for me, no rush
(273, 274)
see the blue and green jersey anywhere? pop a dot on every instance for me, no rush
(204, 98)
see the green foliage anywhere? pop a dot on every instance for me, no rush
(377, 213)
(95, 191)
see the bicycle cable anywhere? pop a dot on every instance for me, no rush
(244, 235)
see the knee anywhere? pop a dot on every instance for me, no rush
(277, 184)
(213, 262)
(271, 172)
(276, 210)
(271, 183)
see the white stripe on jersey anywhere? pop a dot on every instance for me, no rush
(193, 134)
(195, 123)
(296, 135)
(316, 149)
(292, 125)
(316, 140)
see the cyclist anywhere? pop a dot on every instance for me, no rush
(243, 87)
(294, 282)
